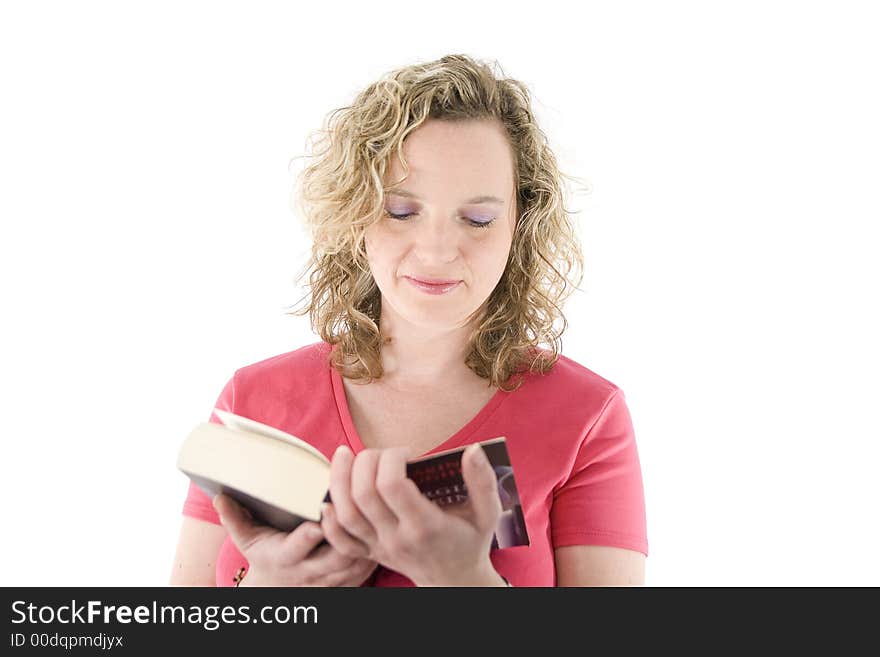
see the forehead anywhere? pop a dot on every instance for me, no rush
(473, 155)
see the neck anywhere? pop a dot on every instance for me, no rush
(415, 358)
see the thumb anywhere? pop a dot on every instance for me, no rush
(482, 485)
(237, 520)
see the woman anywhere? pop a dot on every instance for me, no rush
(439, 235)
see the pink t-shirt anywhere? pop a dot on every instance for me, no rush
(569, 435)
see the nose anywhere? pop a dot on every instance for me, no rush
(436, 240)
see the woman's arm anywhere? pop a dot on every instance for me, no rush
(195, 562)
(599, 565)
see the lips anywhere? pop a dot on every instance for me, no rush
(433, 281)
(442, 287)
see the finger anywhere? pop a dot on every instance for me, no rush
(336, 535)
(299, 543)
(237, 520)
(400, 493)
(347, 512)
(482, 485)
(327, 565)
(365, 495)
(326, 560)
(354, 575)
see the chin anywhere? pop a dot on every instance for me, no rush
(432, 319)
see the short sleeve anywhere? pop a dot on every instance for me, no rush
(198, 504)
(602, 501)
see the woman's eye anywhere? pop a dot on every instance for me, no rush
(472, 222)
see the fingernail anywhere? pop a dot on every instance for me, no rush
(325, 509)
(479, 455)
(342, 449)
(314, 531)
(214, 500)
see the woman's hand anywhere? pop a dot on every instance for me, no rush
(378, 513)
(278, 558)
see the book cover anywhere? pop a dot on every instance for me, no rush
(438, 476)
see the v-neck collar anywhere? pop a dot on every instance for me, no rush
(455, 440)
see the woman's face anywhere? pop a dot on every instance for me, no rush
(456, 220)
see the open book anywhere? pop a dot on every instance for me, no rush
(282, 480)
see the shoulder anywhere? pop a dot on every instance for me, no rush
(301, 364)
(571, 378)
(288, 390)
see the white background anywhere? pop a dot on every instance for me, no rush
(149, 250)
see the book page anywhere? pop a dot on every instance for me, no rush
(240, 423)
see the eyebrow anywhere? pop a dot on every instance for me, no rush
(474, 200)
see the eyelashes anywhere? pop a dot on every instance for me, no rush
(474, 224)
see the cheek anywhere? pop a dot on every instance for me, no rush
(370, 239)
(372, 243)
(491, 255)
(485, 269)
(381, 251)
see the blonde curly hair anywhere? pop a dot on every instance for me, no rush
(341, 193)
